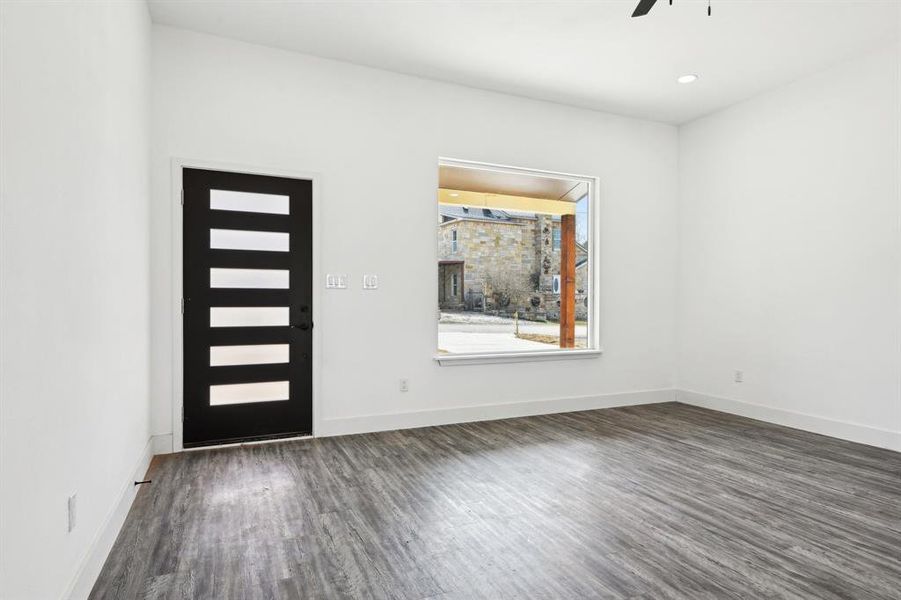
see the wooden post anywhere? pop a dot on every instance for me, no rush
(568, 281)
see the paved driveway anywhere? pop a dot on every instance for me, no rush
(477, 332)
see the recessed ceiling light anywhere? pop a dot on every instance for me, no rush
(454, 195)
(689, 78)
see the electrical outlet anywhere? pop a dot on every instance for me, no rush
(405, 385)
(738, 376)
(71, 506)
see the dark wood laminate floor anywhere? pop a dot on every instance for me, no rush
(658, 501)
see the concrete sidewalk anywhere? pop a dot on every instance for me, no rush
(454, 342)
(477, 332)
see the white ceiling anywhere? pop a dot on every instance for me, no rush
(588, 54)
(489, 181)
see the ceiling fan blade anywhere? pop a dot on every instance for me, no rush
(643, 8)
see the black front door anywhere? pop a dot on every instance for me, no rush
(248, 303)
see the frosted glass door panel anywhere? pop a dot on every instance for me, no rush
(271, 279)
(242, 393)
(249, 202)
(260, 354)
(249, 316)
(238, 239)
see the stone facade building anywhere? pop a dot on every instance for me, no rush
(504, 262)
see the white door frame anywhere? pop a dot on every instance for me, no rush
(177, 164)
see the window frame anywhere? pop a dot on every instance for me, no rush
(594, 348)
(454, 245)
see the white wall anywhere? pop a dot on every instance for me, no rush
(74, 265)
(375, 138)
(791, 254)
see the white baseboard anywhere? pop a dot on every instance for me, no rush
(109, 530)
(161, 443)
(487, 412)
(852, 432)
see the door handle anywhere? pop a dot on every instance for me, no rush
(303, 326)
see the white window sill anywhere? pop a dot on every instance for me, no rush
(447, 360)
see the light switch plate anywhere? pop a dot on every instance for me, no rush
(370, 282)
(336, 281)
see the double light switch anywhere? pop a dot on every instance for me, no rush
(339, 281)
